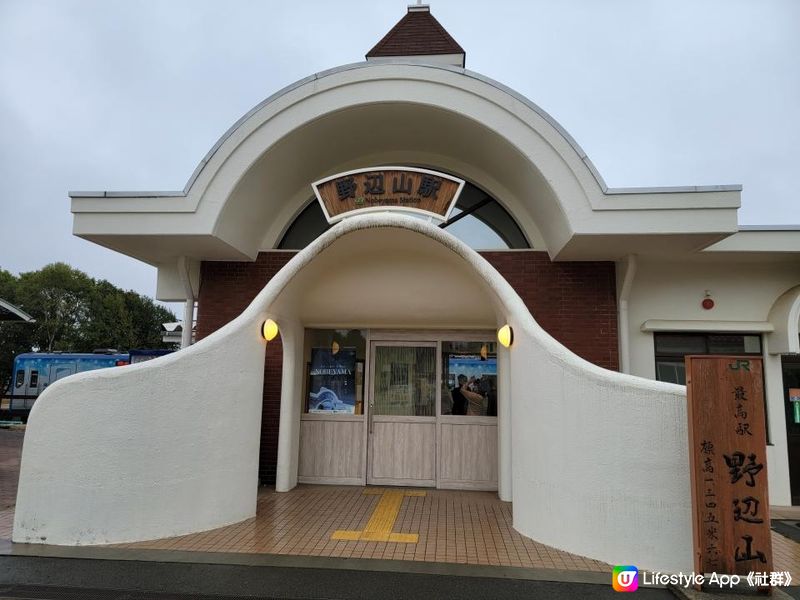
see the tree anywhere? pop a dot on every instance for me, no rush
(14, 335)
(75, 313)
(57, 296)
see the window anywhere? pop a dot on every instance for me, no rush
(482, 223)
(20, 378)
(405, 380)
(307, 226)
(478, 220)
(671, 348)
(469, 378)
(34, 379)
(334, 371)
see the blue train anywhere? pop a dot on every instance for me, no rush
(34, 371)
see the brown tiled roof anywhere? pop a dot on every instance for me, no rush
(417, 33)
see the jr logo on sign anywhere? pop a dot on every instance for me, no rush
(625, 578)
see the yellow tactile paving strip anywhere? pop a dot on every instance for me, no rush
(452, 526)
(380, 524)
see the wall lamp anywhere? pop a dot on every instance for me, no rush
(269, 330)
(505, 335)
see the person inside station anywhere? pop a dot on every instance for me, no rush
(465, 401)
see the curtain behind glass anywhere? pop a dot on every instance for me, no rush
(405, 381)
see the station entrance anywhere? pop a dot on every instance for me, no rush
(400, 408)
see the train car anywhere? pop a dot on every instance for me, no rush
(137, 356)
(34, 371)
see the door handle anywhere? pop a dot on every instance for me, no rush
(369, 417)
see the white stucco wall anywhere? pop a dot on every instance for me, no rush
(744, 292)
(598, 459)
(156, 449)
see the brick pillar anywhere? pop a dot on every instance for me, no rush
(226, 288)
(271, 411)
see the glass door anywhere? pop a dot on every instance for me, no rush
(791, 383)
(402, 414)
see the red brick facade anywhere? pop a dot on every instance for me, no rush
(226, 288)
(574, 302)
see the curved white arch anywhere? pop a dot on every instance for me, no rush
(380, 114)
(257, 176)
(589, 447)
(785, 317)
(472, 74)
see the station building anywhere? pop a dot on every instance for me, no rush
(387, 218)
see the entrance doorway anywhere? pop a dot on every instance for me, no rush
(791, 380)
(400, 408)
(402, 414)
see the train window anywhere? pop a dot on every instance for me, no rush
(20, 378)
(34, 379)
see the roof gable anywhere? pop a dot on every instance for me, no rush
(418, 33)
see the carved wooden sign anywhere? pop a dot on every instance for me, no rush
(406, 189)
(728, 459)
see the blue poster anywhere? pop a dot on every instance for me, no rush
(332, 381)
(471, 365)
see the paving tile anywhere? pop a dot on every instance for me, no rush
(452, 526)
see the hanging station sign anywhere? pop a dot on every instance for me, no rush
(405, 189)
(727, 455)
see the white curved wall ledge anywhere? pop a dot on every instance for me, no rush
(249, 185)
(599, 462)
(785, 315)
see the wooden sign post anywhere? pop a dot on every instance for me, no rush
(728, 458)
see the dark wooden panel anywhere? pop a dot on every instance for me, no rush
(405, 189)
(727, 442)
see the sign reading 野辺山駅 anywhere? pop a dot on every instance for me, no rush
(727, 455)
(388, 188)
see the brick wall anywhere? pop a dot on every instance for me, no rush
(574, 302)
(226, 288)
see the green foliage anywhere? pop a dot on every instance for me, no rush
(14, 338)
(75, 313)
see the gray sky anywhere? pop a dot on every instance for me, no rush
(129, 95)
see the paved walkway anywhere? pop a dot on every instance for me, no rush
(426, 526)
(435, 525)
(10, 452)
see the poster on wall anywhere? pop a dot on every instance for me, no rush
(332, 381)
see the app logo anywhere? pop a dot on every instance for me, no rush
(625, 578)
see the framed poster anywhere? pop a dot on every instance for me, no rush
(332, 381)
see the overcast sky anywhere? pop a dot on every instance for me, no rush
(129, 95)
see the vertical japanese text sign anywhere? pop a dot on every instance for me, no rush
(728, 458)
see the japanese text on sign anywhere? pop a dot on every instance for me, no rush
(727, 437)
(388, 188)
